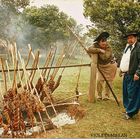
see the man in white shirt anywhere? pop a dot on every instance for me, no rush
(130, 66)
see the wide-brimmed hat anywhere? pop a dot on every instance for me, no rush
(103, 35)
(132, 33)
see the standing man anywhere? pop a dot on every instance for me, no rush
(130, 66)
(105, 63)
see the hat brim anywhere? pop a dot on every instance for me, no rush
(132, 33)
(103, 35)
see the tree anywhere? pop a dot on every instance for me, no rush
(49, 24)
(115, 16)
(15, 4)
(10, 18)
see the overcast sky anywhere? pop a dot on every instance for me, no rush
(73, 8)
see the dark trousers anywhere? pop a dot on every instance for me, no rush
(131, 95)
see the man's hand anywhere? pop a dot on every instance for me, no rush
(102, 51)
(121, 73)
(136, 77)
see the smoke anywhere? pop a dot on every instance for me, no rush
(14, 28)
(10, 23)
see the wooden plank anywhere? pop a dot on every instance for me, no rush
(93, 71)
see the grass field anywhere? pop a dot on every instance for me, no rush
(103, 119)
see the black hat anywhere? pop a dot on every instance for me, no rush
(132, 33)
(103, 35)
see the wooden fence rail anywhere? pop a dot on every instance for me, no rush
(53, 67)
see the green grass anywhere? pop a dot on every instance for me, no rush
(103, 119)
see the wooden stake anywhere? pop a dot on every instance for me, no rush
(33, 66)
(15, 75)
(23, 65)
(8, 72)
(1, 92)
(92, 87)
(4, 75)
(28, 59)
(36, 59)
(73, 49)
(11, 49)
(62, 104)
(20, 77)
(58, 63)
(46, 94)
(47, 63)
(63, 100)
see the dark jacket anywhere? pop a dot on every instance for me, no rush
(134, 65)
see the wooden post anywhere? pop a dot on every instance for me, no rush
(93, 71)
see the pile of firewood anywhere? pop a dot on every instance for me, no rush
(24, 101)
